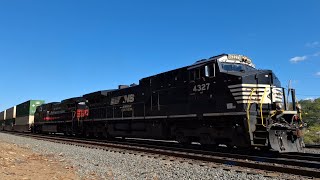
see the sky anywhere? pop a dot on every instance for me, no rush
(57, 49)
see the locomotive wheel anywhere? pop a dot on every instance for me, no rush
(100, 135)
(103, 135)
(86, 134)
(209, 146)
(66, 133)
(90, 135)
(183, 139)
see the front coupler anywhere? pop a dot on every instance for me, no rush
(283, 138)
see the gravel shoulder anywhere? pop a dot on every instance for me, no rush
(21, 163)
(312, 150)
(99, 164)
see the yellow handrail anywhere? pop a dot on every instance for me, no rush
(261, 102)
(248, 108)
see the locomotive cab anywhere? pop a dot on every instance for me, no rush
(271, 120)
(229, 89)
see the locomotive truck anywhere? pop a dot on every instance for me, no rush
(220, 100)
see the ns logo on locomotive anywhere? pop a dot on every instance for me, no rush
(220, 100)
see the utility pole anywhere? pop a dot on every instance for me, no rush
(289, 90)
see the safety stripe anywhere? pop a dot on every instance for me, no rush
(243, 93)
(246, 89)
(249, 85)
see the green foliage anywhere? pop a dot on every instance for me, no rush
(311, 111)
(311, 115)
(311, 136)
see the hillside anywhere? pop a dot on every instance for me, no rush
(311, 115)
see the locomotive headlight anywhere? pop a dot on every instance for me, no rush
(279, 106)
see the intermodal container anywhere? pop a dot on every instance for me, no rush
(3, 115)
(28, 108)
(11, 113)
(25, 120)
(9, 122)
(2, 125)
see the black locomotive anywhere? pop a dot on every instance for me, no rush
(220, 100)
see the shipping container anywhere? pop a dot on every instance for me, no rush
(8, 124)
(11, 113)
(9, 121)
(3, 115)
(2, 125)
(28, 108)
(24, 120)
(23, 124)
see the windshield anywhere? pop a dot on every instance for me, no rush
(236, 67)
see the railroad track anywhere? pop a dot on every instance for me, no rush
(303, 164)
(316, 146)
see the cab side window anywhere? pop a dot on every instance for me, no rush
(198, 73)
(207, 71)
(210, 70)
(192, 75)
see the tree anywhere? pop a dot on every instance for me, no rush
(311, 111)
(311, 115)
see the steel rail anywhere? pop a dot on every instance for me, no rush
(282, 165)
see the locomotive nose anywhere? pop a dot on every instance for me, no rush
(261, 77)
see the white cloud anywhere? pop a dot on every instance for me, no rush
(316, 54)
(309, 98)
(313, 44)
(298, 58)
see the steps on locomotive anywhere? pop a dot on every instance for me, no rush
(260, 135)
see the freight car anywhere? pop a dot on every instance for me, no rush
(2, 118)
(9, 118)
(19, 118)
(220, 100)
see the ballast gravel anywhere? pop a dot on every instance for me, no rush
(312, 150)
(114, 165)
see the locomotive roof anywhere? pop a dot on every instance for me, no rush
(53, 103)
(204, 61)
(74, 99)
(50, 103)
(97, 93)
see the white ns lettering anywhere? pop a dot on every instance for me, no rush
(128, 98)
(122, 99)
(201, 87)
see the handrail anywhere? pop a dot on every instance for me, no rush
(248, 108)
(261, 102)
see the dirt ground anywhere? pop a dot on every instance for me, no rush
(23, 164)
